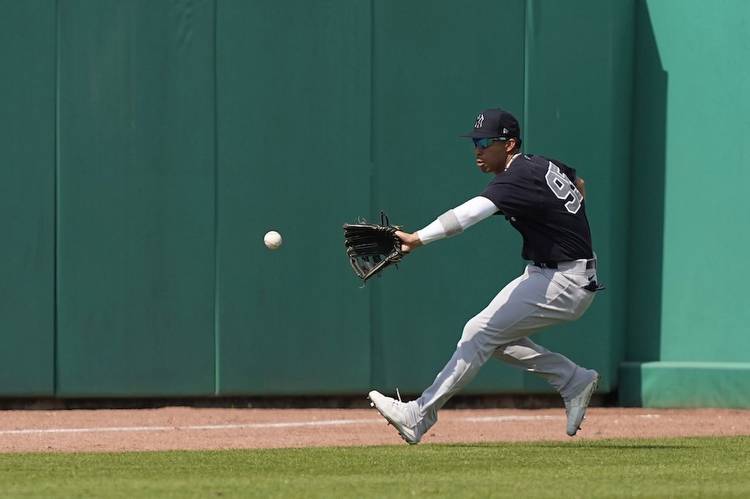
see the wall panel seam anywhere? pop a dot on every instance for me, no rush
(55, 204)
(215, 97)
(525, 111)
(371, 299)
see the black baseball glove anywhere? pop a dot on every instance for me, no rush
(372, 247)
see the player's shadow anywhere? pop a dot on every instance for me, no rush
(622, 447)
(592, 446)
(647, 193)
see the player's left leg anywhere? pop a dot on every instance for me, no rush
(559, 371)
(574, 383)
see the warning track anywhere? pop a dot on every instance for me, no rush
(180, 428)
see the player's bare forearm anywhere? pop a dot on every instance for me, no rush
(581, 185)
(410, 241)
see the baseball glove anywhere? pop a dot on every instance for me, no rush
(372, 247)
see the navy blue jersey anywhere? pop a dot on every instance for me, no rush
(539, 198)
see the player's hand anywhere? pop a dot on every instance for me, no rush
(410, 241)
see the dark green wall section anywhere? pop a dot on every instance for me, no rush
(136, 199)
(294, 132)
(434, 71)
(161, 139)
(27, 197)
(578, 109)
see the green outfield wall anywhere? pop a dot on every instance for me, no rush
(146, 146)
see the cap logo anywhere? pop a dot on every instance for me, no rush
(480, 120)
(505, 130)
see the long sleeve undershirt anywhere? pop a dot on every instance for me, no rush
(458, 219)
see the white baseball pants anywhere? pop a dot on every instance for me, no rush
(537, 299)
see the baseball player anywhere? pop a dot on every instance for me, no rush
(544, 200)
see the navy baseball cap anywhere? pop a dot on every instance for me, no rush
(492, 123)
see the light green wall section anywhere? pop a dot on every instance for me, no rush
(687, 323)
(704, 52)
(685, 384)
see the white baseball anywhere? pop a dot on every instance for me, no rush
(272, 240)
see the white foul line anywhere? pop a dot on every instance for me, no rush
(500, 419)
(255, 426)
(249, 426)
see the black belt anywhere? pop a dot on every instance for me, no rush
(590, 264)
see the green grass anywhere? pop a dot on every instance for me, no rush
(680, 468)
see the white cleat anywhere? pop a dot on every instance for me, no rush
(575, 407)
(403, 416)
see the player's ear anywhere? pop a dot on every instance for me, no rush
(510, 144)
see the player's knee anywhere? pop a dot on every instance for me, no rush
(512, 351)
(471, 329)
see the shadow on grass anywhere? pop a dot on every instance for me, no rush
(620, 447)
(573, 445)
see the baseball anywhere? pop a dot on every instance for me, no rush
(272, 240)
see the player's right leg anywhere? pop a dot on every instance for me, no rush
(404, 416)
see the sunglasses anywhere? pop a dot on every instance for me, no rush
(487, 142)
